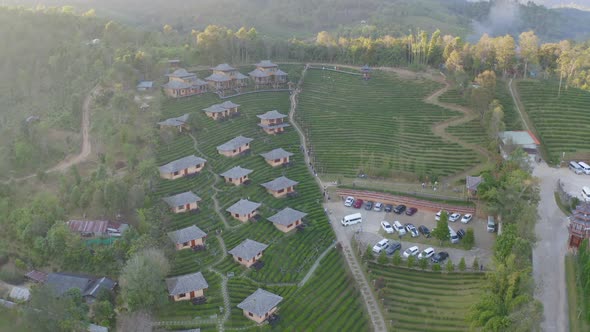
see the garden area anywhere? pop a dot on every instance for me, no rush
(380, 127)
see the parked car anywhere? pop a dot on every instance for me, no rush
(454, 217)
(424, 230)
(439, 257)
(383, 244)
(378, 207)
(461, 233)
(426, 253)
(411, 211)
(369, 206)
(410, 228)
(437, 215)
(466, 218)
(399, 228)
(491, 224)
(388, 208)
(411, 251)
(387, 227)
(399, 209)
(349, 201)
(358, 204)
(393, 247)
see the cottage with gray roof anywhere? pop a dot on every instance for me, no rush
(221, 111)
(182, 83)
(89, 286)
(280, 186)
(182, 167)
(268, 73)
(287, 219)
(187, 237)
(260, 305)
(272, 122)
(244, 210)
(248, 252)
(183, 202)
(235, 146)
(226, 77)
(277, 157)
(236, 175)
(472, 182)
(186, 287)
(178, 122)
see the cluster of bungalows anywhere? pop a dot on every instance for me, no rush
(182, 83)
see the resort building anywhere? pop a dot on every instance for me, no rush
(97, 228)
(268, 73)
(244, 210)
(248, 252)
(235, 146)
(179, 123)
(90, 287)
(273, 122)
(188, 237)
(226, 77)
(181, 83)
(236, 175)
(221, 111)
(183, 202)
(145, 86)
(182, 167)
(277, 157)
(186, 287)
(260, 305)
(579, 227)
(510, 140)
(280, 187)
(287, 219)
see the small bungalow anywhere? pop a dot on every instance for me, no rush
(182, 83)
(287, 219)
(222, 111)
(272, 122)
(186, 287)
(89, 286)
(243, 210)
(188, 237)
(260, 305)
(178, 122)
(183, 202)
(226, 77)
(88, 228)
(277, 157)
(268, 73)
(182, 167)
(248, 252)
(235, 146)
(280, 187)
(145, 85)
(471, 183)
(236, 175)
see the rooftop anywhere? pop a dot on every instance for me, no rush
(178, 121)
(145, 85)
(271, 115)
(236, 172)
(266, 64)
(258, 73)
(522, 138)
(186, 234)
(260, 302)
(216, 77)
(181, 164)
(276, 154)
(248, 249)
(223, 67)
(279, 72)
(472, 182)
(181, 73)
(182, 199)
(217, 108)
(243, 207)
(240, 76)
(88, 226)
(287, 216)
(581, 214)
(279, 183)
(62, 282)
(37, 276)
(186, 283)
(234, 143)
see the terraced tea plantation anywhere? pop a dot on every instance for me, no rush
(561, 122)
(379, 127)
(427, 301)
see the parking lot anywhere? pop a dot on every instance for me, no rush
(572, 182)
(370, 232)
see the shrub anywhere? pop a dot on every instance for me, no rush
(475, 265)
(20, 264)
(382, 258)
(397, 259)
(436, 267)
(411, 261)
(11, 275)
(462, 265)
(423, 263)
(450, 266)
(368, 255)
(469, 239)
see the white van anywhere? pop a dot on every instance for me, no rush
(575, 167)
(586, 193)
(453, 235)
(585, 167)
(399, 228)
(491, 224)
(352, 219)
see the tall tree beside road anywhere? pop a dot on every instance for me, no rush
(528, 43)
(141, 280)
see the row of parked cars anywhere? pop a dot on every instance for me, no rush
(378, 206)
(390, 247)
(453, 217)
(404, 229)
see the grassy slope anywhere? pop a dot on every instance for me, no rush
(576, 323)
(380, 126)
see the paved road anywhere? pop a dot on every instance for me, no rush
(549, 253)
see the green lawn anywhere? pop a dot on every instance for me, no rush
(380, 127)
(426, 301)
(574, 299)
(561, 122)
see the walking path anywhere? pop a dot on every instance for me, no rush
(517, 103)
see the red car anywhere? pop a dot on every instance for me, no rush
(411, 211)
(358, 204)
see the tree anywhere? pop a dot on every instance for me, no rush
(104, 313)
(475, 265)
(469, 239)
(529, 49)
(141, 280)
(423, 263)
(505, 52)
(436, 267)
(368, 254)
(382, 259)
(482, 96)
(46, 312)
(441, 231)
(411, 261)
(397, 258)
(462, 265)
(450, 266)
(454, 62)
(493, 119)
